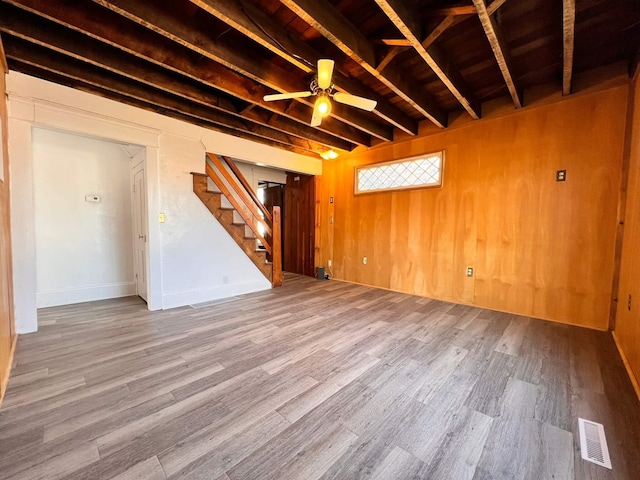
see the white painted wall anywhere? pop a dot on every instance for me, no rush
(200, 260)
(84, 250)
(190, 255)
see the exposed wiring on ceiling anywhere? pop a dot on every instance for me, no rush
(276, 42)
(223, 33)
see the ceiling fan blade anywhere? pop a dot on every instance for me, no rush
(316, 118)
(359, 102)
(286, 96)
(325, 72)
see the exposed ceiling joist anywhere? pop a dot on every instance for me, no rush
(212, 62)
(40, 71)
(439, 30)
(54, 62)
(342, 33)
(389, 56)
(258, 26)
(494, 6)
(408, 22)
(246, 63)
(500, 50)
(394, 42)
(432, 37)
(146, 45)
(455, 10)
(568, 34)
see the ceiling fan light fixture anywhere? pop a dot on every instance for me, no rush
(323, 105)
(329, 154)
(325, 72)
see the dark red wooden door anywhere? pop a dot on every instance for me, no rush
(299, 224)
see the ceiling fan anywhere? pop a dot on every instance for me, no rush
(322, 87)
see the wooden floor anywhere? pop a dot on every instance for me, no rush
(317, 379)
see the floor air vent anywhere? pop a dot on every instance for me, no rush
(593, 443)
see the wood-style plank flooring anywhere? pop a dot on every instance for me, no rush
(315, 380)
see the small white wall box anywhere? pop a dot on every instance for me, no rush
(92, 198)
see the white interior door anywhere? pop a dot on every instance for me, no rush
(140, 235)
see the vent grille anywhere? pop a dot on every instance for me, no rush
(593, 443)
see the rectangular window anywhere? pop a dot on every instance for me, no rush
(417, 172)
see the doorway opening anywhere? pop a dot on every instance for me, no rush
(299, 221)
(84, 218)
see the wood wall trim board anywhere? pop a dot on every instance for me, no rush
(627, 326)
(627, 365)
(7, 373)
(622, 202)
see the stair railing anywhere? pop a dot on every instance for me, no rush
(234, 186)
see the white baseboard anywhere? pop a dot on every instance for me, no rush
(91, 293)
(193, 297)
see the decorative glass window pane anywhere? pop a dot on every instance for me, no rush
(422, 171)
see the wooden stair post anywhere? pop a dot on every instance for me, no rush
(276, 255)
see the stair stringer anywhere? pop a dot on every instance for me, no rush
(225, 216)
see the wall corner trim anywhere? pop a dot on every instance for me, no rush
(5, 377)
(627, 365)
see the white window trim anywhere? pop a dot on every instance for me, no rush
(440, 154)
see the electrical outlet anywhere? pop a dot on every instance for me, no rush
(329, 263)
(561, 175)
(469, 271)
(364, 260)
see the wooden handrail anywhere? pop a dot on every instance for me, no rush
(272, 221)
(252, 206)
(236, 171)
(227, 193)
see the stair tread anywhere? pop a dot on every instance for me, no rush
(247, 243)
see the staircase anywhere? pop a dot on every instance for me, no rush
(237, 208)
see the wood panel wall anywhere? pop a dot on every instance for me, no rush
(627, 326)
(7, 335)
(538, 247)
